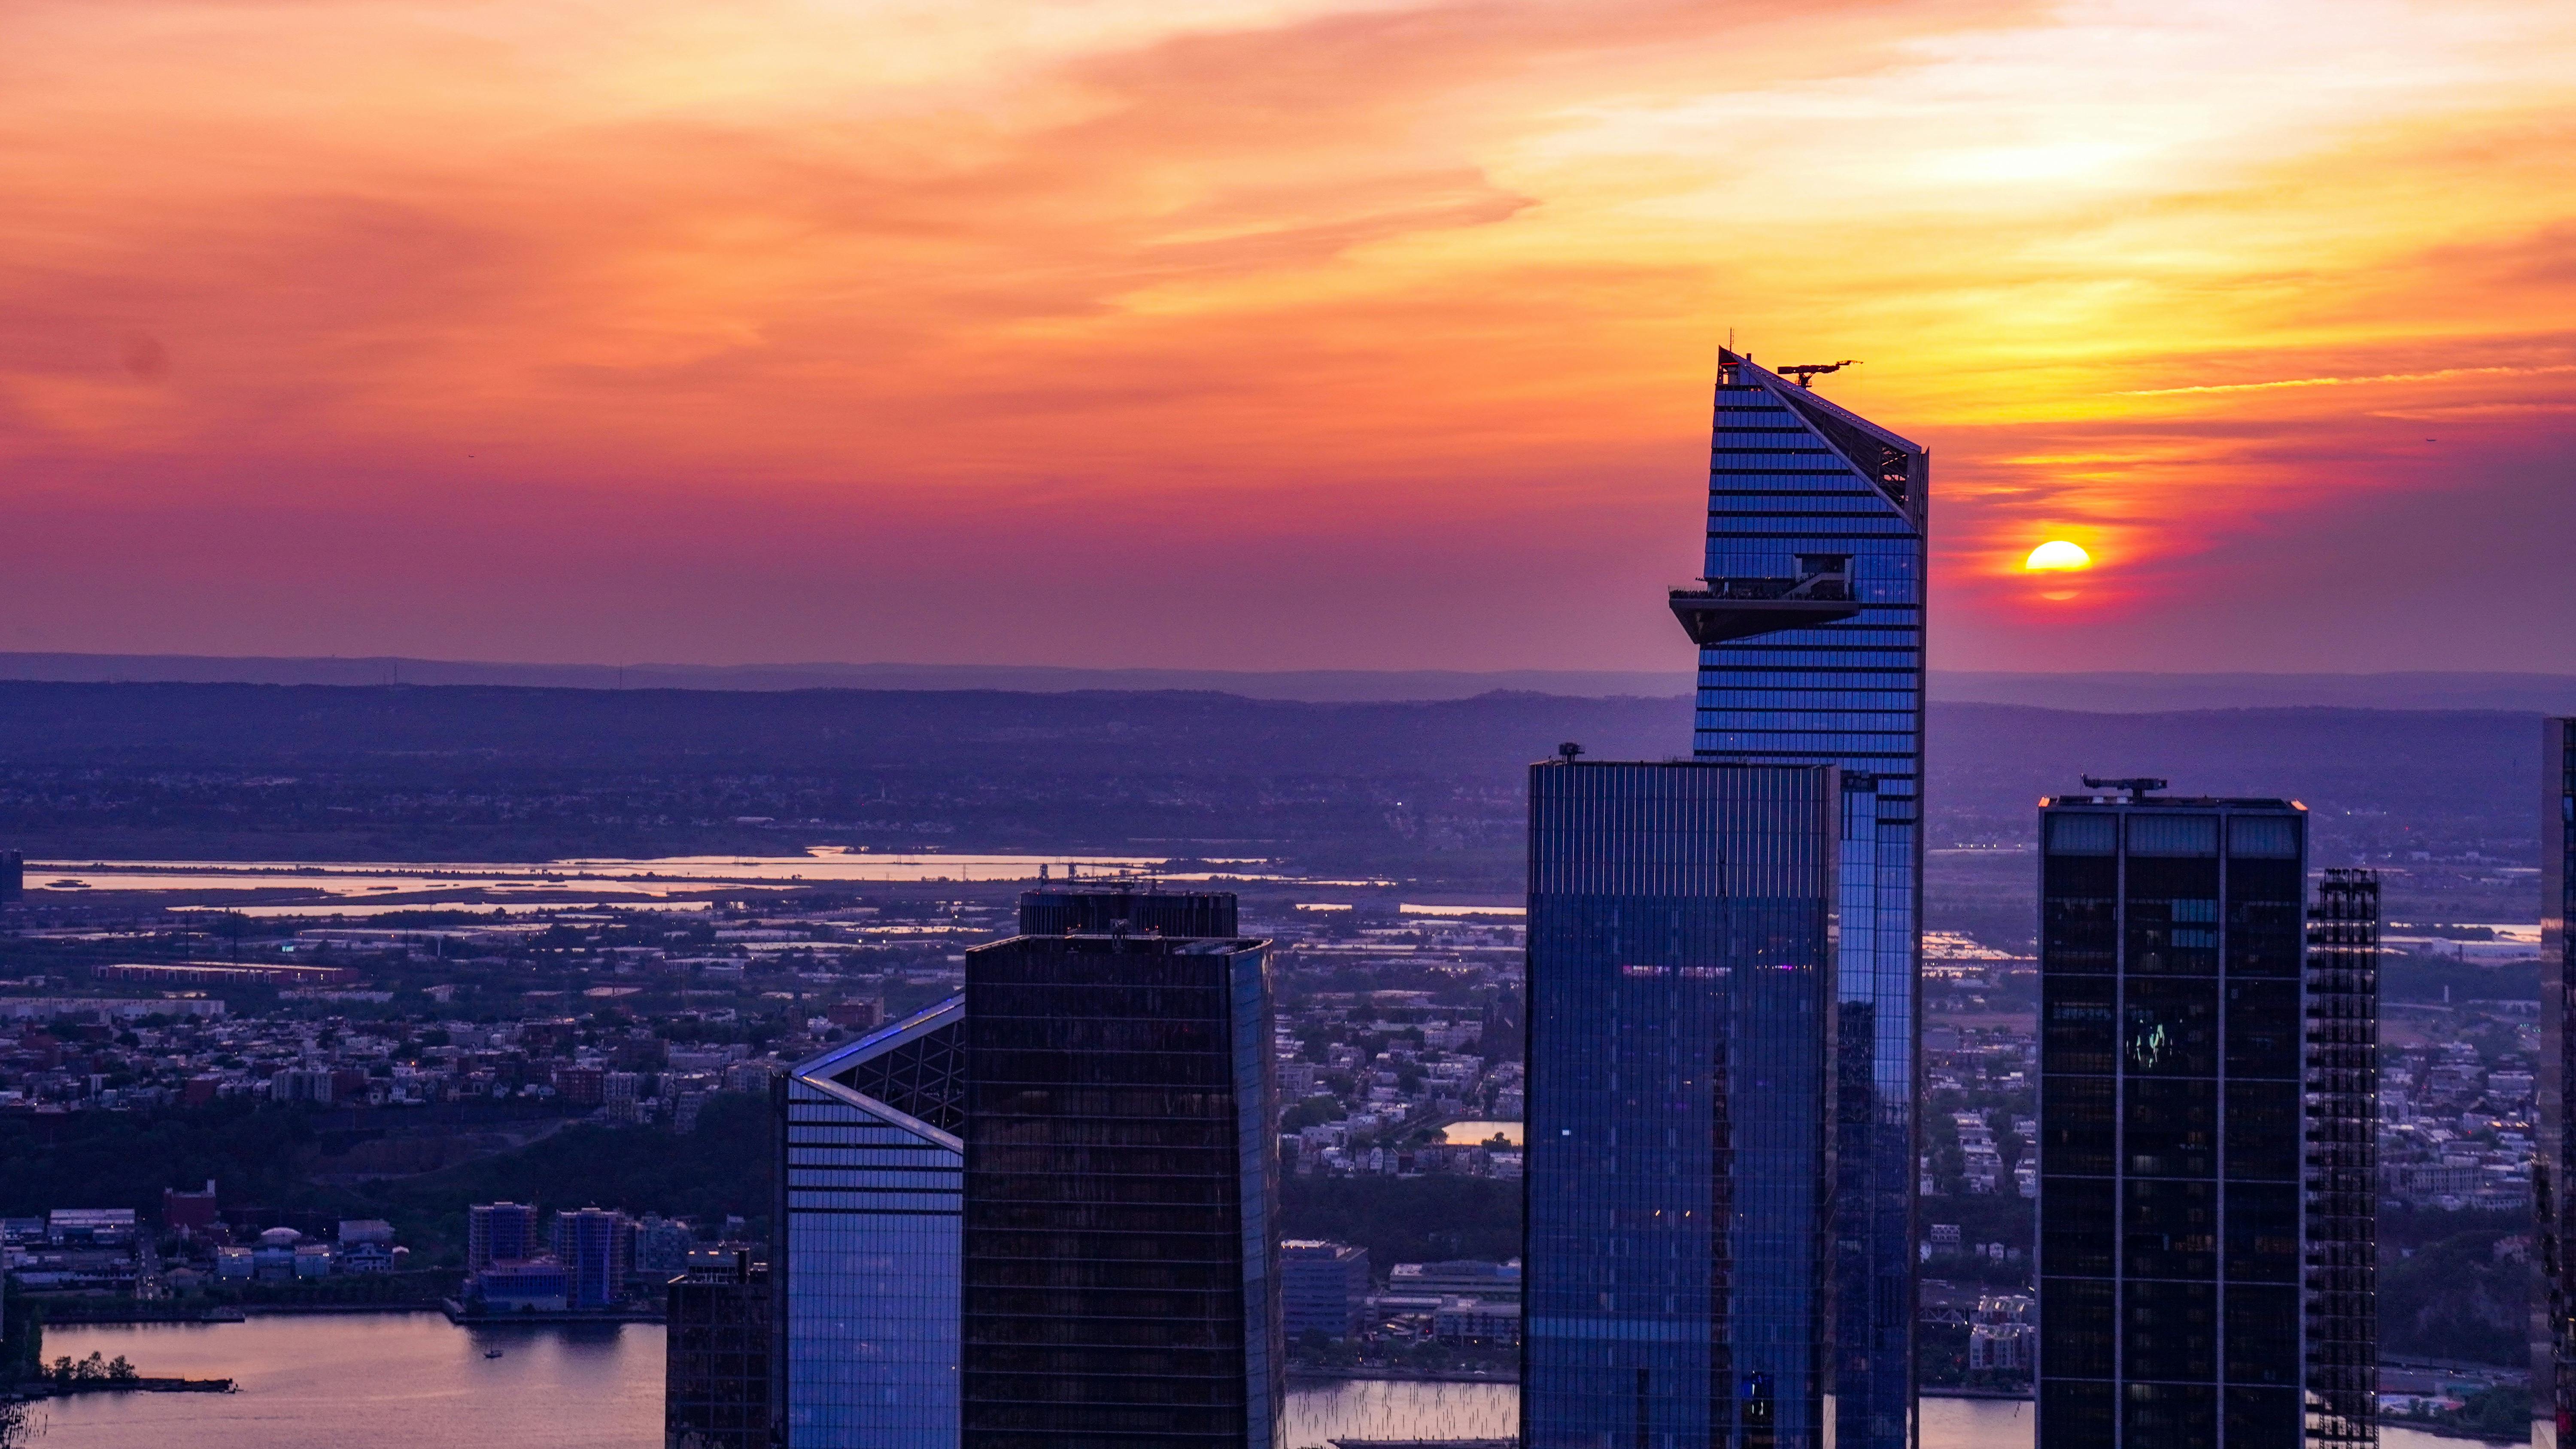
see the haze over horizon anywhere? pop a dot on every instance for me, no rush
(1273, 334)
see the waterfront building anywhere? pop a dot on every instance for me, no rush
(2553, 1334)
(594, 1246)
(662, 1247)
(499, 1232)
(1681, 1082)
(1466, 1277)
(870, 1198)
(534, 1285)
(189, 1213)
(717, 1369)
(1810, 624)
(1322, 1288)
(1120, 1199)
(2206, 1105)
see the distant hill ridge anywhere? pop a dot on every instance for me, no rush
(2105, 692)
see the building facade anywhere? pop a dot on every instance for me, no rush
(1811, 632)
(2341, 1158)
(595, 1246)
(717, 1368)
(1323, 1287)
(2204, 1205)
(1120, 1195)
(871, 1193)
(1681, 1090)
(2554, 1170)
(499, 1232)
(1100, 910)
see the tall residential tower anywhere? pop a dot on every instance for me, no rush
(2554, 1171)
(1810, 627)
(2207, 1119)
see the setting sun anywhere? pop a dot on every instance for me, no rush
(2058, 554)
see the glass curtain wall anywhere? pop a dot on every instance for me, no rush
(2172, 949)
(1797, 483)
(1681, 1015)
(872, 1195)
(1121, 1181)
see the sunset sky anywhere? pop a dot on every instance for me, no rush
(1272, 333)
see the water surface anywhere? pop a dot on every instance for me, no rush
(416, 1380)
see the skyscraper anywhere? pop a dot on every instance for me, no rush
(1810, 626)
(1126, 907)
(871, 1274)
(2341, 1158)
(2554, 1168)
(867, 1277)
(1681, 1087)
(717, 1364)
(2205, 1121)
(1121, 1273)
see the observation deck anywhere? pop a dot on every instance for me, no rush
(1731, 609)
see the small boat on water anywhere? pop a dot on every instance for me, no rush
(491, 1353)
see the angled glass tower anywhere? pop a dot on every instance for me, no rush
(1680, 1105)
(873, 1199)
(1810, 627)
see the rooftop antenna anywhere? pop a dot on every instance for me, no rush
(1807, 372)
(1568, 751)
(2137, 786)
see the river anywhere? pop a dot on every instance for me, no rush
(414, 1379)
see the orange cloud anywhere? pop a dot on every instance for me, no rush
(611, 314)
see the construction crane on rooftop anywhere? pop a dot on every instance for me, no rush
(1807, 372)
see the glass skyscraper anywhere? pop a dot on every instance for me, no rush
(1110, 1275)
(872, 1194)
(717, 1370)
(1810, 628)
(1121, 1243)
(2554, 1168)
(2206, 1105)
(1680, 1105)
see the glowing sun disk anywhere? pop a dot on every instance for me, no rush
(2058, 554)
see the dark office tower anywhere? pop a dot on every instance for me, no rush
(716, 1368)
(2342, 1157)
(871, 1189)
(1680, 1105)
(1810, 628)
(1121, 1181)
(2170, 1121)
(1126, 909)
(2554, 1166)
